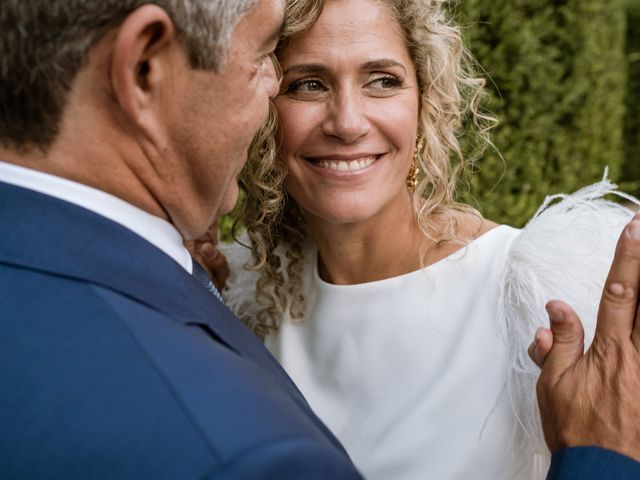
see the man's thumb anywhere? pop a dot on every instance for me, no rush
(568, 338)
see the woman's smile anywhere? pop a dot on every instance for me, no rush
(337, 164)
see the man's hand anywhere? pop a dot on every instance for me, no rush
(205, 251)
(594, 398)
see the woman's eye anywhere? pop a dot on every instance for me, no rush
(385, 82)
(306, 86)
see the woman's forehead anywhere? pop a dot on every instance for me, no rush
(359, 28)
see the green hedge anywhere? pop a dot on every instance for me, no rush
(557, 80)
(631, 167)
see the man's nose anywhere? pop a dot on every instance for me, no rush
(271, 77)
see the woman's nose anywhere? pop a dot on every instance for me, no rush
(347, 118)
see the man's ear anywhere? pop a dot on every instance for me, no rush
(145, 54)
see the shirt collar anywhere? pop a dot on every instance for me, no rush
(155, 230)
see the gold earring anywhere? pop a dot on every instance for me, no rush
(412, 178)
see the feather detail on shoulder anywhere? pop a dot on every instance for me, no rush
(563, 253)
(240, 288)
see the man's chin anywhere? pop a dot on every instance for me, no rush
(229, 200)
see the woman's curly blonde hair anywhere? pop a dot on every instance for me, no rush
(449, 95)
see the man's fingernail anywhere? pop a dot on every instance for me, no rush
(634, 229)
(555, 315)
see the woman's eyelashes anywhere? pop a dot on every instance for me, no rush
(375, 84)
(384, 83)
(305, 86)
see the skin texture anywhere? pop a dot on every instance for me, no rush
(592, 398)
(142, 125)
(215, 117)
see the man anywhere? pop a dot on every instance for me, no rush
(123, 126)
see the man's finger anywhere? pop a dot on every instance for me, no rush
(216, 264)
(541, 346)
(568, 339)
(618, 305)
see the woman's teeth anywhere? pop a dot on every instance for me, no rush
(350, 166)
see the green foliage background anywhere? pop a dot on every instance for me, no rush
(558, 80)
(631, 168)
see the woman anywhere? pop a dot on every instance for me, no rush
(396, 310)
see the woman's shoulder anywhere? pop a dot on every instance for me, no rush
(473, 232)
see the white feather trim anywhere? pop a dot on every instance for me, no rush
(563, 253)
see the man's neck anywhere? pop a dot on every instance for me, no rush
(112, 177)
(154, 229)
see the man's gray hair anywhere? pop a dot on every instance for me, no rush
(44, 43)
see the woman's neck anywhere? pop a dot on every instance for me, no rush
(384, 246)
(387, 245)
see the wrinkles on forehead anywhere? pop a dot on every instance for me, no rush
(348, 33)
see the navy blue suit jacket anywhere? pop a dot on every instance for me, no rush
(115, 363)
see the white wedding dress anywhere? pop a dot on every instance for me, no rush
(425, 375)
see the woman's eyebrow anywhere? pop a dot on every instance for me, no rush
(318, 69)
(382, 63)
(308, 68)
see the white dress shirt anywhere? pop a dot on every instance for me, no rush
(155, 230)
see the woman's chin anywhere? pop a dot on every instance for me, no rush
(345, 213)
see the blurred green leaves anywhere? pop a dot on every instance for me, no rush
(557, 74)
